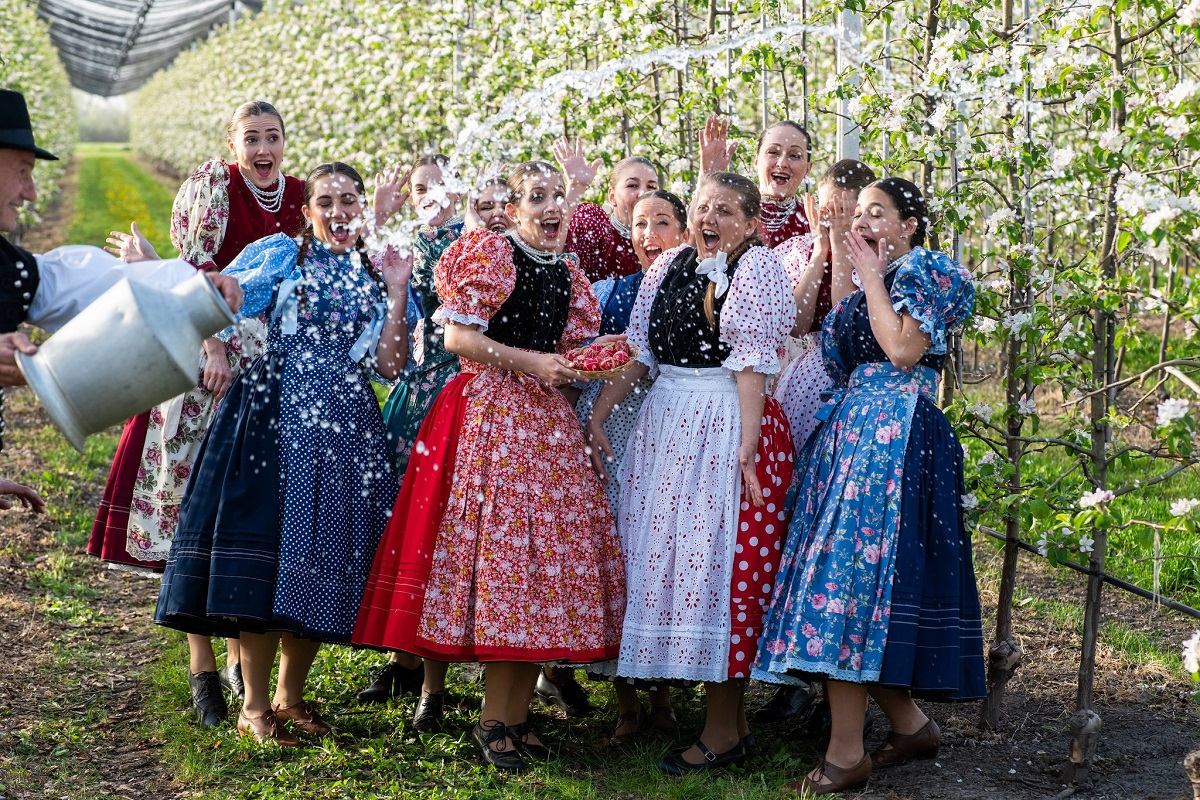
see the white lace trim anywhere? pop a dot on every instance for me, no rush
(442, 315)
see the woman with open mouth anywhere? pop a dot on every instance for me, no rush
(660, 224)
(600, 237)
(781, 162)
(705, 472)
(292, 487)
(410, 401)
(501, 547)
(218, 211)
(876, 592)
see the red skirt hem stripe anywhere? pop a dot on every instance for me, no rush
(440, 652)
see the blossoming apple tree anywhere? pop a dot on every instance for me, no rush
(1057, 143)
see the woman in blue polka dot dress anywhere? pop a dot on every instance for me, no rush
(293, 487)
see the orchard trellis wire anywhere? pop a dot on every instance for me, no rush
(1058, 142)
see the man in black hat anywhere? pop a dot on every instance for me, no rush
(48, 290)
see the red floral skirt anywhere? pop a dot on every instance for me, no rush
(501, 546)
(110, 532)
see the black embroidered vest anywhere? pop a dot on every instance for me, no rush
(535, 315)
(18, 284)
(679, 331)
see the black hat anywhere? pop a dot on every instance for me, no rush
(16, 132)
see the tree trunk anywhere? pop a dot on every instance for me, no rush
(1004, 655)
(1085, 725)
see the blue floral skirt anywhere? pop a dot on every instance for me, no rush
(877, 583)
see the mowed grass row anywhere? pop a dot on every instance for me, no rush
(113, 192)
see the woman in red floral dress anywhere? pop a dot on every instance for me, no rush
(599, 236)
(501, 548)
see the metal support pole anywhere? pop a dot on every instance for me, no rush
(849, 42)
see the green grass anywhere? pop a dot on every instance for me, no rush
(377, 755)
(1130, 549)
(113, 192)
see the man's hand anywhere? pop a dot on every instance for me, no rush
(229, 289)
(23, 494)
(132, 246)
(10, 343)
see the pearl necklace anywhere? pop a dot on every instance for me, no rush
(774, 215)
(621, 227)
(269, 200)
(538, 256)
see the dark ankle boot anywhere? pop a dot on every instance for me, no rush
(207, 698)
(430, 713)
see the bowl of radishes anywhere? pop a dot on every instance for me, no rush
(605, 360)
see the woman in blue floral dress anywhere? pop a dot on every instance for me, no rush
(292, 487)
(876, 589)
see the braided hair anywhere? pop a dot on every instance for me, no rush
(306, 234)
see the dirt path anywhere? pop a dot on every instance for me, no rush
(75, 638)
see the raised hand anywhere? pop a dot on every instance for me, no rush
(577, 170)
(396, 266)
(390, 194)
(869, 262)
(819, 227)
(838, 213)
(716, 151)
(130, 247)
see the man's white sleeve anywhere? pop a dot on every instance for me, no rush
(72, 277)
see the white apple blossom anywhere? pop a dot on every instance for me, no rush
(1085, 543)
(1181, 508)
(1191, 653)
(1017, 322)
(1027, 406)
(1093, 499)
(1171, 410)
(981, 410)
(1112, 140)
(985, 325)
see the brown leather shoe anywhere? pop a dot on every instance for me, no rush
(266, 728)
(629, 727)
(899, 748)
(834, 779)
(304, 718)
(662, 720)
